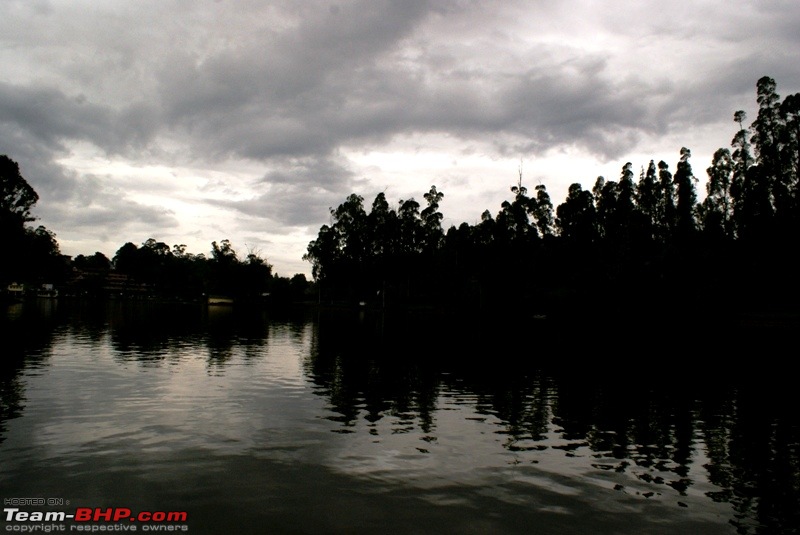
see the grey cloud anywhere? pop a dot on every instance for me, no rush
(53, 118)
(92, 205)
(316, 78)
(308, 172)
(298, 192)
(265, 97)
(114, 213)
(289, 206)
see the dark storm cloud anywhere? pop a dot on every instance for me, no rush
(50, 119)
(301, 80)
(278, 93)
(341, 79)
(323, 76)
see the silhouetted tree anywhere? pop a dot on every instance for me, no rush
(787, 189)
(666, 203)
(42, 257)
(686, 194)
(323, 253)
(432, 220)
(98, 261)
(629, 239)
(576, 217)
(350, 225)
(32, 254)
(512, 223)
(606, 195)
(18, 197)
(411, 229)
(543, 212)
(717, 208)
(382, 229)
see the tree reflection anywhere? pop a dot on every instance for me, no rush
(368, 372)
(753, 443)
(27, 344)
(655, 430)
(152, 332)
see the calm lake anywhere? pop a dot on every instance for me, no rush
(358, 422)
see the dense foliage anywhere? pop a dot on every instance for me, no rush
(31, 252)
(627, 241)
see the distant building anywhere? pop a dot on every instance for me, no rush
(15, 290)
(48, 291)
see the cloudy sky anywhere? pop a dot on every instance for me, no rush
(191, 121)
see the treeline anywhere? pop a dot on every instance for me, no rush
(153, 269)
(633, 242)
(156, 269)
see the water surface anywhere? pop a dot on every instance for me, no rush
(354, 422)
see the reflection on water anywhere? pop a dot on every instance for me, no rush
(354, 422)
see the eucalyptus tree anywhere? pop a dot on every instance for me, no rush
(623, 219)
(324, 253)
(767, 131)
(666, 213)
(686, 195)
(221, 254)
(254, 275)
(627, 194)
(741, 161)
(606, 197)
(382, 229)
(411, 227)
(339, 253)
(383, 236)
(223, 268)
(717, 207)
(485, 231)
(788, 205)
(432, 220)
(576, 217)
(350, 223)
(543, 212)
(761, 183)
(646, 199)
(513, 224)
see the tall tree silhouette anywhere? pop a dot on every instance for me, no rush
(717, 208)
(543, 212)
(576, 217)
(787, 198)
(432, 220)
(666, 203)
(513, 223)
(686, 194)
(647, 201)
(411, 227)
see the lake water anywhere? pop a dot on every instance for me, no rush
(357, 422)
